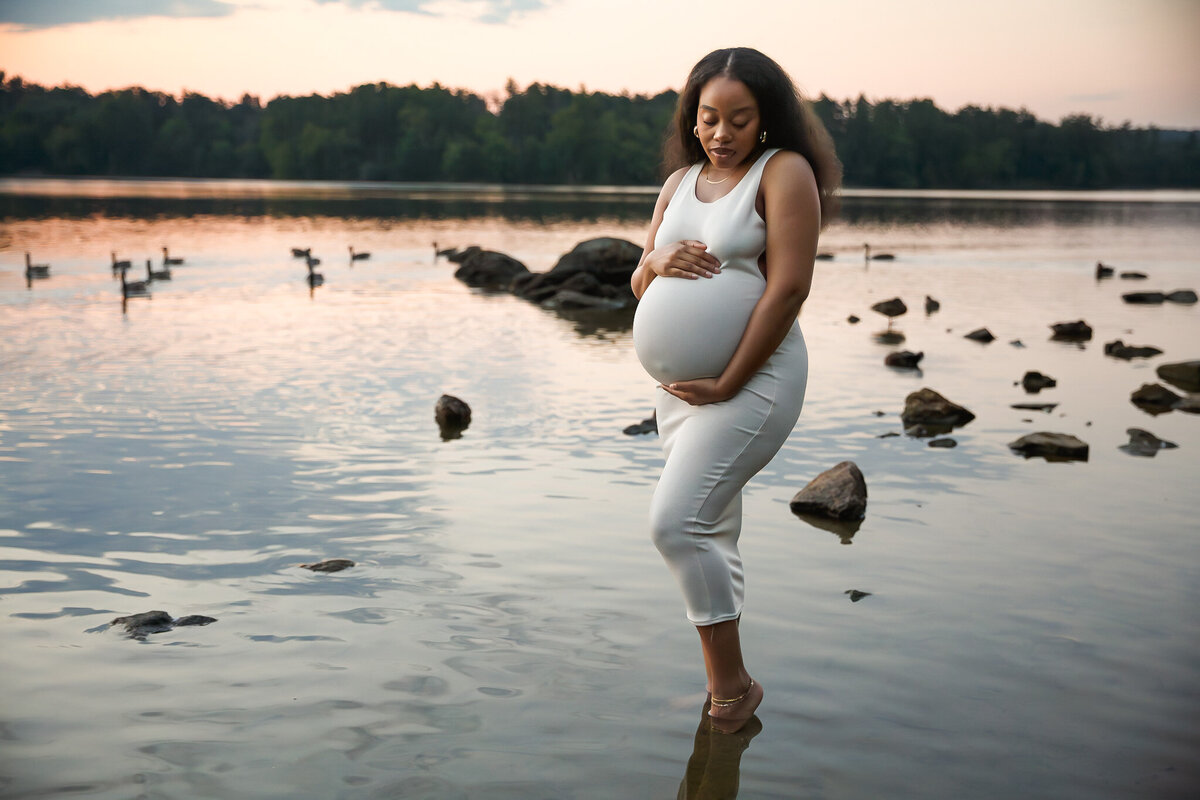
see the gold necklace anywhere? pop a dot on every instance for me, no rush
(714, 183)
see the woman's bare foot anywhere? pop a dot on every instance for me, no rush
(730, 716)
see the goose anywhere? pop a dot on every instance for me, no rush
(168, 261)
(878, 256)
(152, 274)
(314, 278)
(133, 288)
(298, 253)
(33, 271)
(358, 256)
(117, 266)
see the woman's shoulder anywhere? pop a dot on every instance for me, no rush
(788, 166)
(671, 185)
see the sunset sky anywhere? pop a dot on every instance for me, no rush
(1136, 60)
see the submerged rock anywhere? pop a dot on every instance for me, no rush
(1144, 298)
(980, 335)
(1155, 398)
(1051, 446)
(1078, 331)
(1034, 382)
(932, 413)
(487, 269)
(944, 442)
(1118, 349)
(1047, 407)
(452, 415)
(1144, 443)
(837, 493)
(329, 565)
(904, 359)
(648, 425)
(1182, 374)
(139, 626)
(890, 336)
(856, 594)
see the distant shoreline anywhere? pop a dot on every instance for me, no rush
(243, 188)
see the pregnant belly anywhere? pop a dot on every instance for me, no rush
(686, 329)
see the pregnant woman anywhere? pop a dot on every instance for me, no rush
(727, 265)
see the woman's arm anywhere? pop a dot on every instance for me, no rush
(687, 259)
(792, 209)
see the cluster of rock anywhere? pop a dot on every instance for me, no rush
(593, 276)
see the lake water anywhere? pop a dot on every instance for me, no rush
(508, 630)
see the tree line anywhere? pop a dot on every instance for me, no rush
(548, 135)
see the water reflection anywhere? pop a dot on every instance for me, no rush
(714, 770)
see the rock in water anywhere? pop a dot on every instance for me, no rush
(194, 619)
(1133, 275)
(890, 308)
(980, 335)
(1155, 398)
(904, 359)
(1144, 443)
(1078, 331)
(1118, 349)
(139, 626)
(1047, 407)
(487, 269)
(852, 319)
(931, 305)
(453, 416)
(837, 493)
(934, 413)
(648, 425)
(1183, 374)
(1051, 446)
(856, 595)
(330, 565)
(1144, 298)
(1034, 382)
(944, 442)
(1185, 296)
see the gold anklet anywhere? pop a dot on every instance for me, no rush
(736, 700)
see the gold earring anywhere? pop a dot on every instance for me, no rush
(762, 137)
(696, 131)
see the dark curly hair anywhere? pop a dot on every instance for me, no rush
(787, 118)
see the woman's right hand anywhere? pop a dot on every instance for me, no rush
(686, 259)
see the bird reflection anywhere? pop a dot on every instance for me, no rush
(714, 770)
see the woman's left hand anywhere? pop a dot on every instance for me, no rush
(698, 392)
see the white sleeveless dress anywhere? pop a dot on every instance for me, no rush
(686, 329)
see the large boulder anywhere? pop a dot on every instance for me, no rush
(1184, 374)
(927, 413)
(599, 268)
(1051, 446)
(837, 493)
(487, 269)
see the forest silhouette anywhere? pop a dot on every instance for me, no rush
(548, 135)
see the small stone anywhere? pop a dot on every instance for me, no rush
(1034, 382)
(856, 595)
(887, 435)
(1017, 343)
(145, 622)
(945, 442)
(648, 425)
(838, 493)
(330, 565)
(1078, 331)
(931, 305)
(980, 335)
(1182, 374)
(1144, 443)
(852, 319)
(1051, 446)
(879, 413)
(904, 359)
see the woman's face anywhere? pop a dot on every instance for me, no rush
(728, 122)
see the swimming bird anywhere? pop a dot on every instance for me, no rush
(878, 256)
(167, 260)
(37, 271)
(314, 278)
(1103, 270)
(133, 288)
(152, 274)
(298, 253)
(117, 266)
(358, 256)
